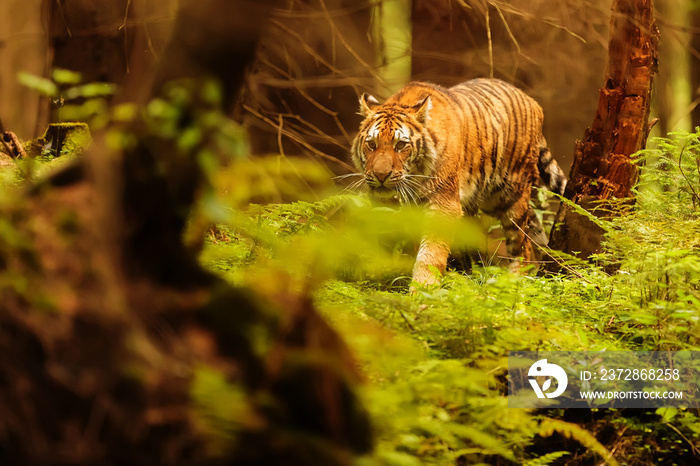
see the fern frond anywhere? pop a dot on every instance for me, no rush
(582, 436)
(547, 459)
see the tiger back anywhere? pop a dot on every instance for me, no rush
(477, 145)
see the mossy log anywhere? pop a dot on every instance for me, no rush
(65, 138)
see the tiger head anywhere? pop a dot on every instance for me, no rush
(393, 150)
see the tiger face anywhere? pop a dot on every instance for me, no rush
(391, 150)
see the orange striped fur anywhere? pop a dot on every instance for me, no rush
(477, 145)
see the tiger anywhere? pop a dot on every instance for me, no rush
(474, 146)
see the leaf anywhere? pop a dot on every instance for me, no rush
(395, 458)
(42, 85)
(667, 413)
(63, 76)
(547, 459)
(90, 91)
(125, 112)
(606, 225)
(581, 435)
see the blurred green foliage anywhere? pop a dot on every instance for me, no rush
(435, 360)
(73, 99)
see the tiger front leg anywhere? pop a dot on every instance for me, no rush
(434, 249)
(431, 260)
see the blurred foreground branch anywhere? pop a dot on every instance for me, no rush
(118, 348)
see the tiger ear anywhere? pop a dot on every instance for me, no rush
(422, 110)
(367, 104)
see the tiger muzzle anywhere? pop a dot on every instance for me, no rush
(381, 172)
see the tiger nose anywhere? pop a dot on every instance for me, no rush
(382, 176)
(382, 170)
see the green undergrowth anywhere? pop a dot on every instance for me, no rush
(435, 360)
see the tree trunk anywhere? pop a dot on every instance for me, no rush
(695, 66)
(23, 47)
(672, 86)
(603, 169)
(392, 36)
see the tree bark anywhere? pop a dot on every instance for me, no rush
(603, 169)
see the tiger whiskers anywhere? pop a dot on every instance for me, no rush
(408, 191)
(420, 180)
(347, 175)
(409, 188)
(354, 186)
(418, 188)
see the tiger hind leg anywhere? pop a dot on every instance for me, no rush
(516, 223)
(537, 235)
(549, 170)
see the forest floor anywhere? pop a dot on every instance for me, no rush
(436, 361)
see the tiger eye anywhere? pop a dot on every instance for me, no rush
(371, 145)
(401, 145)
